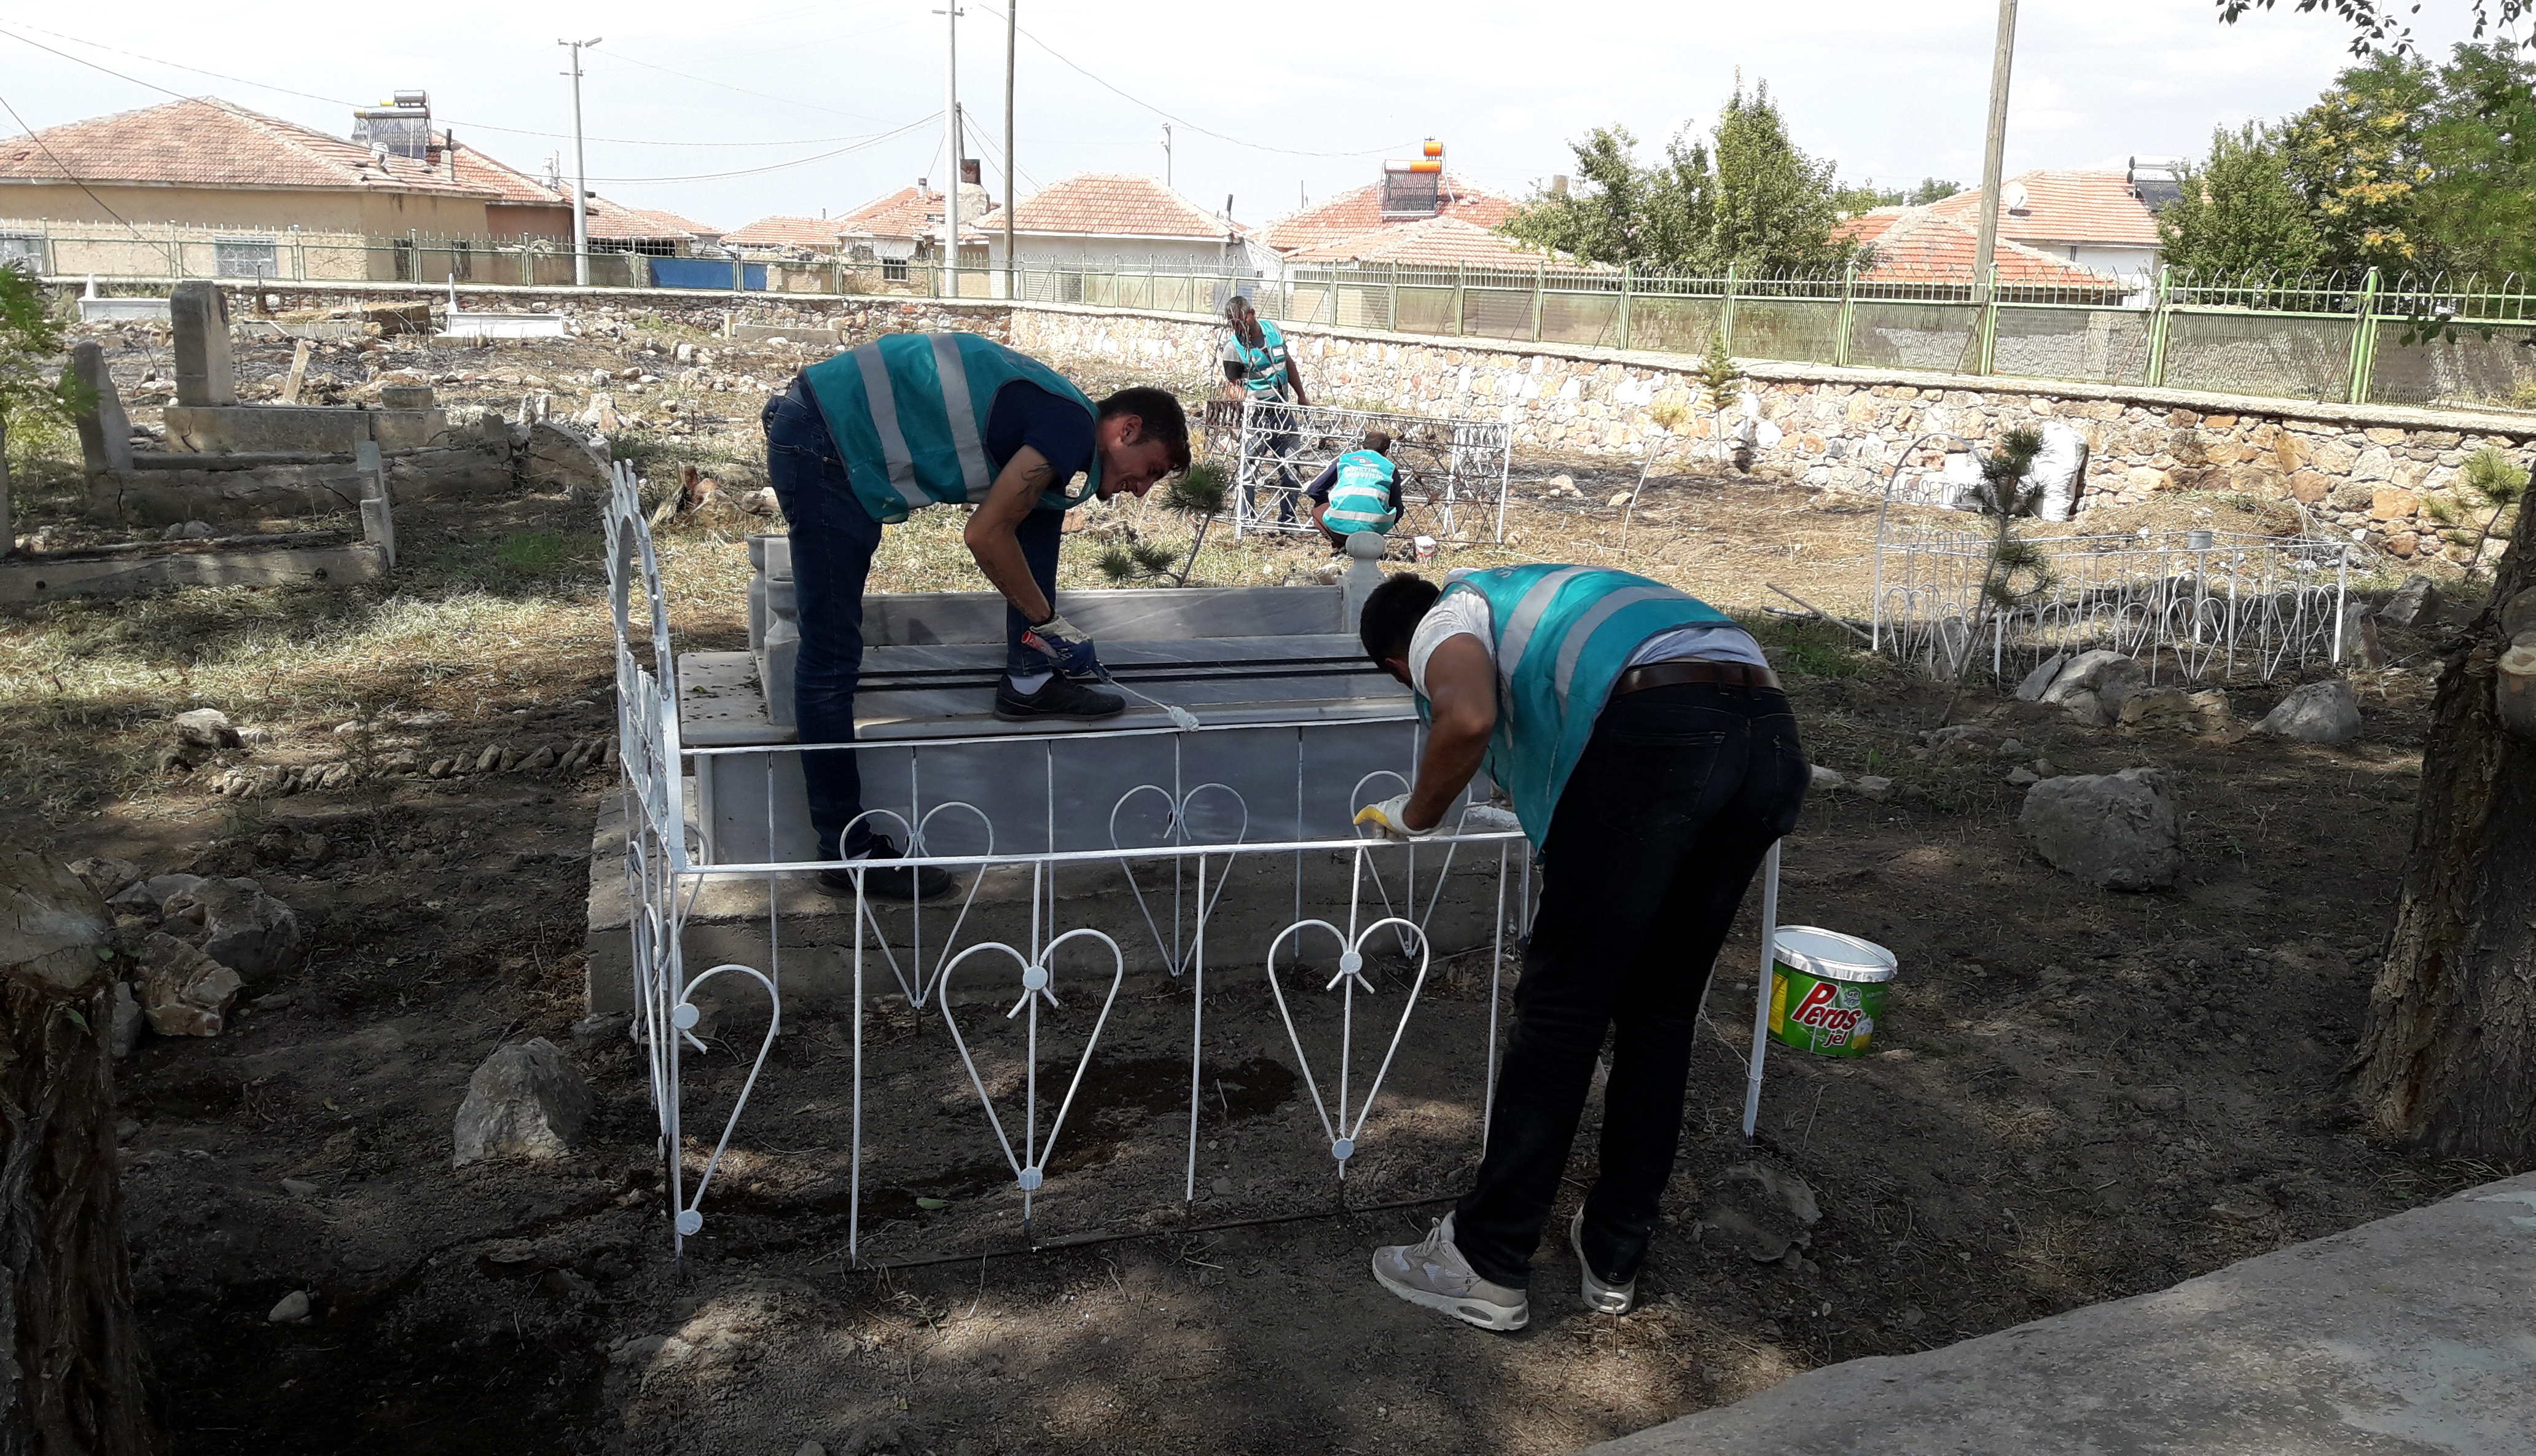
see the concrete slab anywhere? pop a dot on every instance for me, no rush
(250, 562)
(163, 489)
(219, 429)
(2415, 1334)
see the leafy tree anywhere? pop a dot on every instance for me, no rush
(2378, 30)
(1853, 201)
(33, 383)
(1930, 189)
(2238, 211)
(1775, 206)
(2355, 157)
(2478, 204)
(1755, 202)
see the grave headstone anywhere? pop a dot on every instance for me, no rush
(106, 433)
(206, 372)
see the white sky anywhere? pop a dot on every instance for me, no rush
(1894, 92)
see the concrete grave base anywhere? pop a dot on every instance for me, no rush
(2414, 1334)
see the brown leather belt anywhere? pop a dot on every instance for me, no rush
(1693, 669)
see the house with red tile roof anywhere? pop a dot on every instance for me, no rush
(203, 162)
(2093, 219)
(1442, 241)
(1354, 214)
(618, 229)
(792, 237)
(1920, 245)
(1123, 220)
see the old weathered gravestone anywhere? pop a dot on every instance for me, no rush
(206, 372)
(104, 430)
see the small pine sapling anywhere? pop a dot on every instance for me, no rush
(2502, 485)
(2016, 570)
(1197, 492)
(1721, 384)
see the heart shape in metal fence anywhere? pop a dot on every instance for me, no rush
(1175, 832)
(926, 982)
(1038, 979)
(1350, 980)
(683, 1018)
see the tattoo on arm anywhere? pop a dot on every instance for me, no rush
(1038, 476)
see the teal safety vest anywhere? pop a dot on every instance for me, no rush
(1563, 636)
(1266, 364)
(1361, 497)
(909, 415)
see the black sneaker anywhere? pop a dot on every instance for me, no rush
(1059, 697)
(883, 881)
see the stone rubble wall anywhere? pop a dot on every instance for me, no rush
(2358, 468)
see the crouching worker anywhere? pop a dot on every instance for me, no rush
(914, 421)
(1358, 491)
(1652, 760)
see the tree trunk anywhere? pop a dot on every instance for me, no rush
(69, 1376)
(2447, 1062)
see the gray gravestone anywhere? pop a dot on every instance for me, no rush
(106, 434)
(205, 372)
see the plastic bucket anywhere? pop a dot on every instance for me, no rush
(1827, 991)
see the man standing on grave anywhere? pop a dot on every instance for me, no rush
(1257, 366)
(912, 420)
(1652, 760)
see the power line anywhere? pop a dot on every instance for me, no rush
(741, 90)
(873, 141)
(1185, 121)
(451, 121)
(31, 136)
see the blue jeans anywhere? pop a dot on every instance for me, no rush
(834, 537)
(1657, 835)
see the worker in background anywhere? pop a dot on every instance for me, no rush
(912, 420)
(1652, 760)
(1257, 366)
(1358, 491)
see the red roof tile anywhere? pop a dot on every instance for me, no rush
(2063, 207)
(612, 220)
(1918, 245)
(1352, 212)
(908, 212)
(205, 142)
(1429, 242)
(780, 231)
(1112, 205)
(475, 169)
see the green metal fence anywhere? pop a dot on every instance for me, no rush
(2417, 341)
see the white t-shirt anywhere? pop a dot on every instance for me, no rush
(1459, 612)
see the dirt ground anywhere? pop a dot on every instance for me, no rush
(2076, 1096)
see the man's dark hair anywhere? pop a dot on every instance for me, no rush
(1159, 410)
(1238, 306)
(1392, 612)
(1377, 441)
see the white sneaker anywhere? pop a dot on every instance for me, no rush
(1601, 1298)
(1434, 1274)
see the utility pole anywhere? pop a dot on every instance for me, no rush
(951, 124)
(579, 173)
(1167, 156)
(1012, 171)
(1996, 144)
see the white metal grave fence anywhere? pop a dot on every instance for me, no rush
(1198, 833)
(2202, 604)
(1453, 472)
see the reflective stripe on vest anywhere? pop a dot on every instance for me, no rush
(1266, 364)
(1565, 634)
(909, 412)
(1361, 497)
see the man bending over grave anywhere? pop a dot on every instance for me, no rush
(1358, 491)
(1652, 760)
(912, 420)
